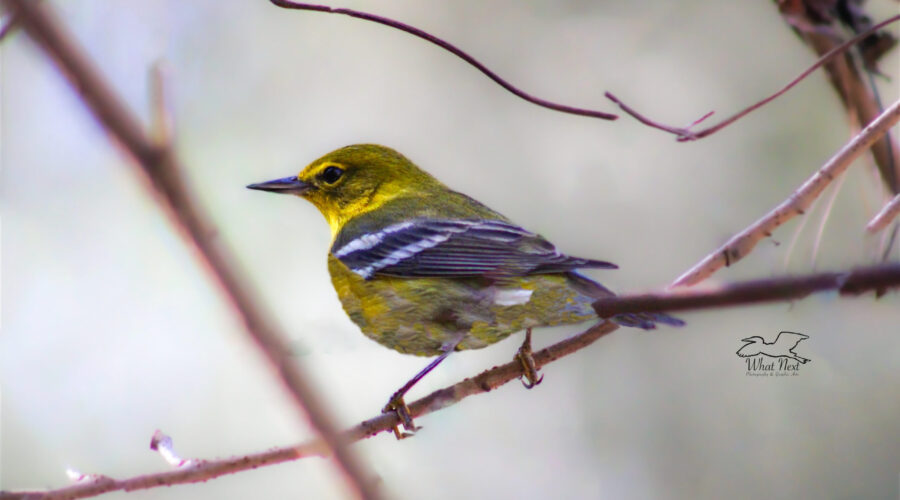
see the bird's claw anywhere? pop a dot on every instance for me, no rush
(398, 407)
(529, 375)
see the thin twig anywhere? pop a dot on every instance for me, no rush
(888, 213)
(288, 4)
(203, 471)
(789, 250)
(877, 278)
(163, 170)
(826, 215)
(686, 134)
(796, 204)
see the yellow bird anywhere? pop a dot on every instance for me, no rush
(426, 270)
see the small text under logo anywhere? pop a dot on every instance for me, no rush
(773, 359)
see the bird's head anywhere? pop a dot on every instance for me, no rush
(754, 340)
(353, 180)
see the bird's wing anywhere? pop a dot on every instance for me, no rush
(791, 339)
(455, 248)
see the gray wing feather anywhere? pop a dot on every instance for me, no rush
(457, 248)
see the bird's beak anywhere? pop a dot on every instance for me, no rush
(748, 339)
(286, 185)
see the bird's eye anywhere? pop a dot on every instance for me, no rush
(331, 174)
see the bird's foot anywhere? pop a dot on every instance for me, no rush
(525, 357)
(397, 406)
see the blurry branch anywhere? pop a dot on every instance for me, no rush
(204, 470)
(818, 24)
(9, 24)
(796, 204)
(686, 134)
(159, 163)
(853, 282)
(288, 4)
(877, 278)
(888, 213)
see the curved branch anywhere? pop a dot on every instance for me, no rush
(449, 47)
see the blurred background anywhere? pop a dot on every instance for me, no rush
(110, 330)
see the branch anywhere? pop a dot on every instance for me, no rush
(889, 212)
(743, 243)
(162, 169)
(685, 134)
(449, 47)
(203, 470)
(877, 278)
(816, 23)
(8, 27)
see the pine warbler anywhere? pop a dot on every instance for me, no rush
(426, 270)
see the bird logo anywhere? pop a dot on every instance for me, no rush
(782, 347)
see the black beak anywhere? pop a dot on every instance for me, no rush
(286, 185)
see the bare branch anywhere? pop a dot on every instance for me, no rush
(888, 213)
(877, 278)
(743, 243)
(818, 25)
(686, 134)
(202, 471)
(449, 47)
(163, 170)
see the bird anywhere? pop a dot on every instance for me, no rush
(426, 270)
(782, 347)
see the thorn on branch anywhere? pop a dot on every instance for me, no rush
(162, 444)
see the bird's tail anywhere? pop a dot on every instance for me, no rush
(802, 360)
(646, 321)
